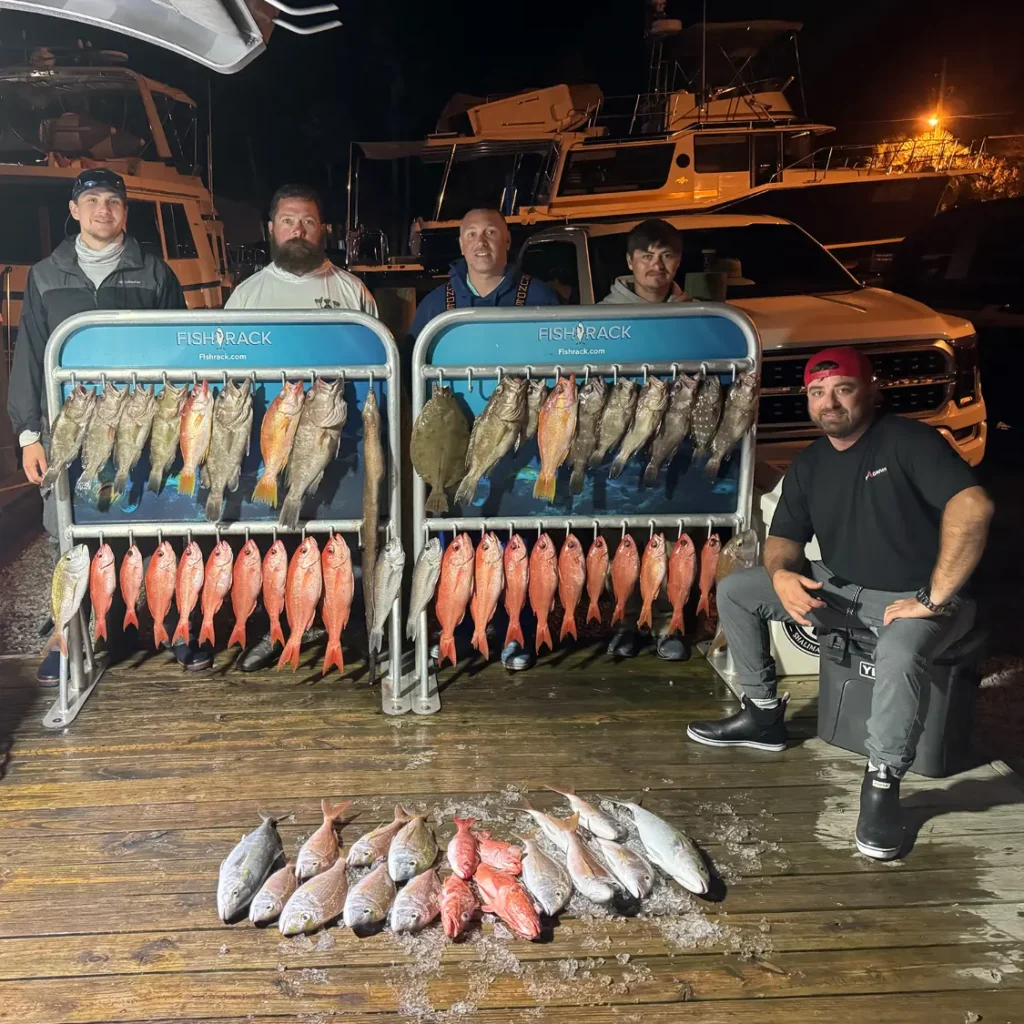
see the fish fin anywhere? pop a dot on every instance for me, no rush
(594, 612)
(437, 503)
(206, 633)
(334, 813)
(290, 654)
(543, 637)
(156, 481)
(487, 908)
(290, 512)
(376, 639)
(480, 642)
(187, 482)
(576, 480)
(160, 633)
(597, 456)
(650, 474)
(569, 824)
(83, 486)
(401, 812)
(467, 490)
(101, 629)
(276, 632)
(619, 615)
(235, 480)
(714, 464)
(467, 822)
(447, 651)
(568, 627)
(703, 605)
(333, 656)
(515, 632)
(645, 616)
(181, 632)
(544, 488)
(204, 476)
(56, 639)
(616, 468)
(130, 619)
(120, 483)
(266, 490)
(214, 505)
(676, 625)
(561, 792)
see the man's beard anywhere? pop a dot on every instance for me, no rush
(297, 255)
(840, 428)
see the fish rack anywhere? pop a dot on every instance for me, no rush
(709, 338)
(312, 343)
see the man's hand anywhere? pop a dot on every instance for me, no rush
(792, 590)
(906, 608)
(33, 461)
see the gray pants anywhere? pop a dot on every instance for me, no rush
(747, 602)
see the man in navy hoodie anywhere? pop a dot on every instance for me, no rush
(482, 277)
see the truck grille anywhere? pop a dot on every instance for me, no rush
(913, 381)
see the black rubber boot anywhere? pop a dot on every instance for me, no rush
(751, 726)
(263, 653)
(192, 657)
(624, 644)
(48, 673)
(673, 648)
(880, 825)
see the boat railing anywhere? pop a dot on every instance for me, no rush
(897, 156)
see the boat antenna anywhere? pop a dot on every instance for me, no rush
(800, 75)
(209, 137)
(703, 59)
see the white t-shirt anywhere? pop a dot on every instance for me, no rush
(327, 287)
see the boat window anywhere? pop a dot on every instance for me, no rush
(619, 169)
(778, 259)
(142, 226)
(721, 154)
(502, 181)
(178, 232)
(554, 261)
(35, 218)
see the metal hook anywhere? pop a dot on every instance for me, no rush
(623, 530)
(371, 378)
(703, 369)
(188, 536)
(568, 530)
(528, 373)
(734, 373)
(615, 373)
(650, 536)
(558, 373)
(274, 533)
(675, 372)
(131, 538)
(247, 535)
(74, 382)
(359, 535)
(159, 536)
(303, 534)
(312, 376)
(501, 373)
(195, 379)
(101, 538)
(469, 377)
(511, 528)
(679, 535)
(710, 528)
(224, 374)
(540, 528)
(284, 378)
(440, 377)
(166, 379)
(586, 374)
(135, 380)
(595, 529)
(645, 369)
(103, 380)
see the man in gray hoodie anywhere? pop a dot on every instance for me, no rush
(654, 251)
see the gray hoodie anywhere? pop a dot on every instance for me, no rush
(622, 291)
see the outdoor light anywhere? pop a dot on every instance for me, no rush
(933, 121)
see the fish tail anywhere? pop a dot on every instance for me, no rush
(677, 623)
(376, 639)
(50, 476)
(650, 474)
(597, 456)
(568, 626)
(290, 654)
(334, 813)
(130, 619)
(467, 489)
(56, 639)
(437, 503)
(645, 616)
(84, 486)
(333, 656)
(101, 628)
(237, 635)
(447, 650)
(619, 615)
(616, 468)
(703, 604)
(543, 637)
(290, 511)
(714, 465)
(266, 490)
(187, 482)
(159, 633)
(576, 480)
(276, 632)
(480, 642)
(544, 488)
(156, 480)
(206, 634)
(594, 612)
(515, 632)
(214, 505)
(120, 484)
(181, 631)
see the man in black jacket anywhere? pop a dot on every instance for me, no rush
(103, 268)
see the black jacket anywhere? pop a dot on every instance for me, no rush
(57, 288)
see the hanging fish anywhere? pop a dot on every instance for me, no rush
(572, 574)
(68, 432)
(489, 580)
(425, 575)
(165, 433)
(556, 428)
(517, 582)
(67, 589)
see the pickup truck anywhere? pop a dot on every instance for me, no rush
(801, 300)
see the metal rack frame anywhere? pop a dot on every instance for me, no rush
(426, 699)
(81, 671)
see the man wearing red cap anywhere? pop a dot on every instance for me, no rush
(901, 523)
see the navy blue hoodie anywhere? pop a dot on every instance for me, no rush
(537, 294)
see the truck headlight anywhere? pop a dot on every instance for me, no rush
(966, 387)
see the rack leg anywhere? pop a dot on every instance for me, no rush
(427, 700)
(395, 695)
(79, 674)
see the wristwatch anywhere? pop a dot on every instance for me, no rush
(924, 596)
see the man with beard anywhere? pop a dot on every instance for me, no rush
(483, 277)
(300, 276)
(901, 523)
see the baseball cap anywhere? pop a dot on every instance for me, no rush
(98, 177)
(849, 362)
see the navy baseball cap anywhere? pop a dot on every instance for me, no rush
(98, 177)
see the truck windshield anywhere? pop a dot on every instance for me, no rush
(766, 260)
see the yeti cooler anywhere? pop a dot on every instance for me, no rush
(847, 675)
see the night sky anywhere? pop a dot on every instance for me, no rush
(390, 69)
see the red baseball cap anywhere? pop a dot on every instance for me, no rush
(849, 362)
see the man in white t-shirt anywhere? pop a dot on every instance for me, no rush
(300, 276)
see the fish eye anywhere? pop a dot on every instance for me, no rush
(465, 915)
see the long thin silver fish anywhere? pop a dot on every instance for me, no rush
(370, 899)
(386, 584)
(669, 849)
(373, 475)
(635, 875)
(547, 881)
(244, 870)
(132, 434)
(424, 582)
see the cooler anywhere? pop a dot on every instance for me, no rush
(844, 698)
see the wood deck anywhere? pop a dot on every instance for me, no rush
(111, 834)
